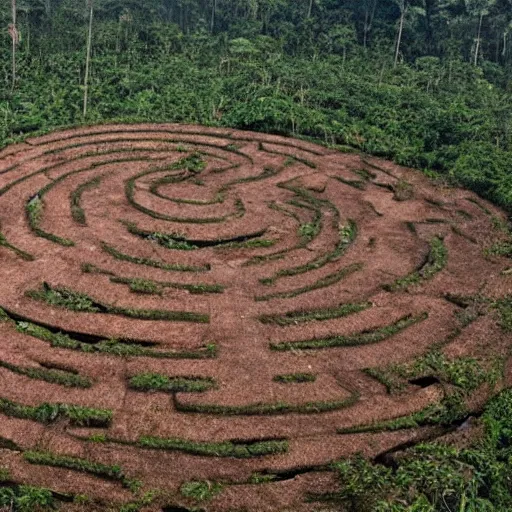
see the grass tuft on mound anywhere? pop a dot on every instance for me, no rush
(130, 187)
(171, 267)
(238, 450)
(19, 252)
(347, 235)
(158, 382)
(436, 261)
(75, 301)
(464, 375)
(75, 198)
(50, 413)
(77, 464)
(53, 376)
(267, 408)
(121, 348)
(304, 316)
(295, 378)
(323, 282)
(352, 340)
(151, 287)
(155, 287)
(24, 498)
(201, 491)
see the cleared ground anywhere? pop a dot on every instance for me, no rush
(220, 314)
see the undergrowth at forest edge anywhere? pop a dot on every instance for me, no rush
(435, 477)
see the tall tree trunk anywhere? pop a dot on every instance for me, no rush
(310, 9)
(365, 27)
(88, 59)
(14, 43)
(430, 6)
(214, 9)
(477, 50)
(399, 38)
(369, 16)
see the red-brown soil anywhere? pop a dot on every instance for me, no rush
(306, 180)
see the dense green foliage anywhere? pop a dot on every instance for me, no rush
(316, 68)
(434, 477)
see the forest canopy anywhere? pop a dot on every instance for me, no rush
(427, 83)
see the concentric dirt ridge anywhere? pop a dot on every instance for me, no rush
(182, 304)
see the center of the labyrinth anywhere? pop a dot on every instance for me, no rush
(213, 304)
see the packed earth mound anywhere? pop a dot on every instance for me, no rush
(216, 316)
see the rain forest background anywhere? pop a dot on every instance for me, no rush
(427, 83)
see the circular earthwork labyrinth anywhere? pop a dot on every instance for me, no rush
(185, 308)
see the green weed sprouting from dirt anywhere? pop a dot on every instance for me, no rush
(358, 184)
(174, 241)
(436, 261)
(156, 287)
(121, 348)
(201, 491)
(177, 241)
(353, 340)
(294, 158)
(308, 230)
(476, 305)
(451, 409)
(192, 163)
(249, 244)
(158, 382)
(143, 286)
(64, 298)
(392, 383)
(466, 373)
(347, 235)
(130, 186)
